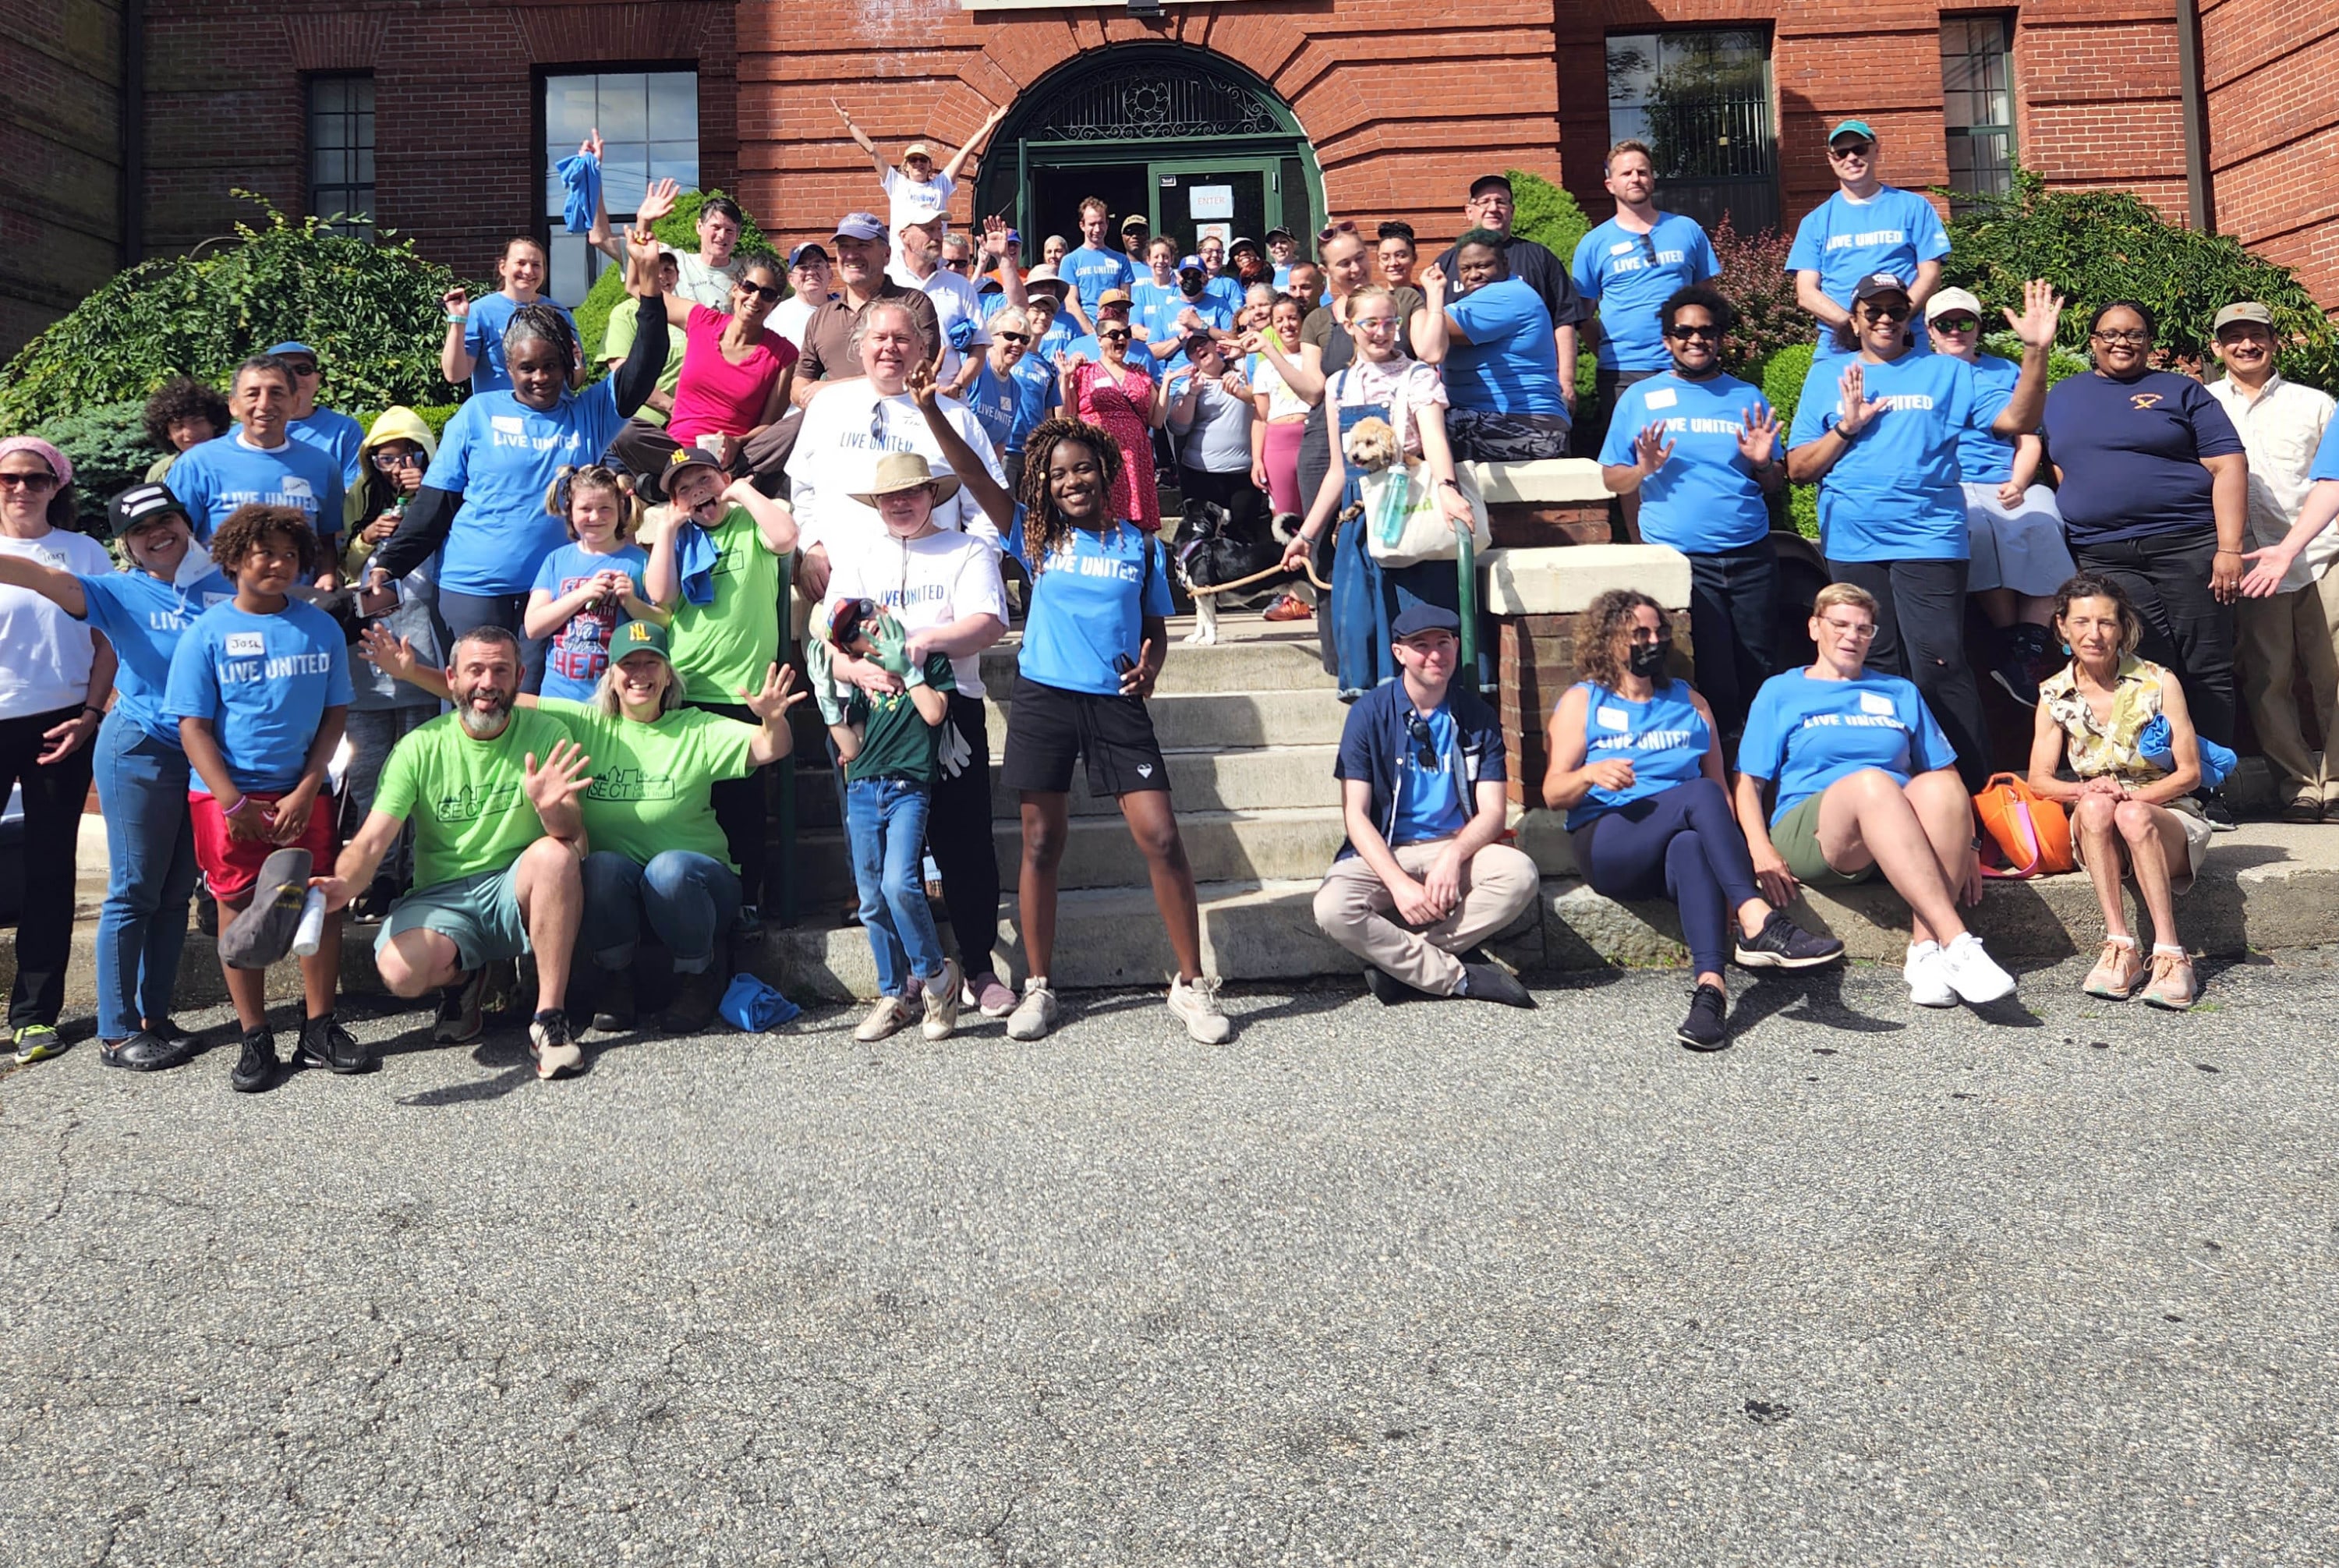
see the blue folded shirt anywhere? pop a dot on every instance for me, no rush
(695, 554)
(752, 1006)
(2216, 761)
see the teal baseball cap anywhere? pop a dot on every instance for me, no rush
(1852, 128)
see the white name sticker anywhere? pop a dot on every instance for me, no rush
(507, 424)
(1665, 398)
(246, 645)
(1613, 719)
(1876, 703)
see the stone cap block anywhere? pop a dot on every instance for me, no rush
(1549, 482)
(1566, 579)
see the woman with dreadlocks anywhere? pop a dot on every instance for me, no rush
(1093, 642)
(483, 498)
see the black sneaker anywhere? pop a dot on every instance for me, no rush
(1783, 944)
(556, 1052)
(256, 1067)
(2220, 815)
(330, 1046)
(747, 925)
(2019, 649)
(1390, 990)
(1493, 982)
(696, 997)
(1704, 1029)
(458, 1022)
(615, 1007)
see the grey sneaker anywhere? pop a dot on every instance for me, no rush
(1035, 1015)
(941, 1003)
(36, 1042)
(1196, 1003)
(885, 1019)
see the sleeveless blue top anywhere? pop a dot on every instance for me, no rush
(1664, 739)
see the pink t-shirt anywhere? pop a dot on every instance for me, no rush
(715, 395)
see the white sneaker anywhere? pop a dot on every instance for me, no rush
(1196, 1003)
(1035, 1015)
(941, 1003)
(1972, 974)
(1928, 984)
(889, 1015)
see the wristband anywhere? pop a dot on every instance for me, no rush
(242, 800)
(87, 708)
(455, 321)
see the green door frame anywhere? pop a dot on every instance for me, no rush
(1219, 154)
(1268, 168)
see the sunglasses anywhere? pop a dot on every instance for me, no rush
(763, 292)
(1854, 150)
(1955, 323)
(1018, 339)
(29, 481)
(959, 264)
(1706, 334)
(1341, 227)
(1119, 336)
(1425, 747)
(1887, 312)
(302, 366)
(1649, 248)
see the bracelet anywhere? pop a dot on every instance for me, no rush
(1453, 485)
(455, 321)
(242, 800)
(2222, 551)
(88, 708)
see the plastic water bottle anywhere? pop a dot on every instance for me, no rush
(310, 934)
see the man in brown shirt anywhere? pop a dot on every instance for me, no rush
(860, 250)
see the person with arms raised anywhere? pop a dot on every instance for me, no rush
(917, 191)
(475, 351)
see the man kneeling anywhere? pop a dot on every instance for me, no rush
(498, 841)
(1421, 878)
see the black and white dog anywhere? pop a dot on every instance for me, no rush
(1213, 548)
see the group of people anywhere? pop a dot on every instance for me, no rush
(511, 686)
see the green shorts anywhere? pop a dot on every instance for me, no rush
(479, 914)
(1796, 837)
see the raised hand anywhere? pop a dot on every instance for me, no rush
(1758, 434)
(392, 655)
(566, 774)
(1433, 281)
(778, 695)
(2042, 312)
(925, 390)
(656, 203)
(1650, 451)
(457, 300)
(994, 236)
(592, 142)
(1855, 407)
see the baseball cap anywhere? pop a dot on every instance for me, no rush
(141, 505)
(1852, 128)
(283, 349)
(917, 150)
(2243, 310)
(1194, 340)
(640, 637)
(1013, 238)
(1948, 300)
(1876, 284)
(1279, 234)
(1192, 264)
(809, 247)
(844, 621)
(860, 226)
(1421, 617)
(1113, 297)
(689, 455)
(1135, 220)
(1243, 242)
(1485, 182)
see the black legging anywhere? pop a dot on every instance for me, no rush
(1684, 843)
(739, 812)
(54, 795)
(958, 835)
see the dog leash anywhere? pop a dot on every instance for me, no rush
(1349, 515)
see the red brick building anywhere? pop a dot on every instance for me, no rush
(441, 119)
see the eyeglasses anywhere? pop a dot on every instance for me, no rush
(1018, 339)
(391, 462)
(1887, 312)
(1338, 226)
(763, 292)
(1648, 638)
(1850, 150)
(1955, 324)
(1859, 631)
(2127, 335)
(1425, 745)
(29, 481)
(1374, 323)
(1708, 334)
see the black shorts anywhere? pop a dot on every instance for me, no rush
(1049, 727)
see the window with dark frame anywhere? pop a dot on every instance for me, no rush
(1978, 102)
(340, 151)
(649, 121)
(1701, 99)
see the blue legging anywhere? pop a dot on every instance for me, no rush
(1684, 843)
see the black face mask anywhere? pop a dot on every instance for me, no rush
(1648, 659)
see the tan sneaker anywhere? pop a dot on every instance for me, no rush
(2117, 970)
(941, 1003)
(889, 1015)
(2174, 985)
(1196, 1003)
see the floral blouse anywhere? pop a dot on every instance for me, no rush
(2096, 749)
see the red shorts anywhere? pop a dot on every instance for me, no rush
(231, 866)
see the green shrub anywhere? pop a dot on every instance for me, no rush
(1781, 379)
(679, 229)
(108, 446)
(1546, 214)
(370, 309)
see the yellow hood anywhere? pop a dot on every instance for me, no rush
(400, 424)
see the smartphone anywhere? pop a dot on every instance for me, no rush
(1123, 664)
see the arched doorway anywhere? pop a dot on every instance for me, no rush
(1186, 139)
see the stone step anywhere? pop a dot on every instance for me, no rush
(1249, 778)
(1198, 721)
(1269, 663)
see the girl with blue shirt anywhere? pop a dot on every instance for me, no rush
(1863, 783)
(1093, 642)
(587, 587)
(141, 771)
(474, 351)
(1636, 764)
(1879, 434)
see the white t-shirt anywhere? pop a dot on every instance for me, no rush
(955, 300)
(705, 285)
(926, 582)
(846, 427)
(911, 202)
(44, 653)
(790, 315)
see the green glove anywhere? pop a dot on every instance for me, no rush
(889, 645)
(824, 684)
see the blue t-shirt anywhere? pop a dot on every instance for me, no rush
(144, 617)
(1666, 739)
(578, 652)
(1614, 266)
(1706, 498)
(225, 473)
(1893, 496)
(336, 436)
(1429, 803)
(1040, 392)
(994, 400)
(1089, 603)
(1061, 333)
(1153, 306)
(264, 682)
(483, 340)
(1806, 733)
(1984, 456)
(502, 456)
(1511, 363)
(1091, 272)
(1227, 290)
(2130, 455)
(1844, 241)
(2326, 454)
(1159, 322)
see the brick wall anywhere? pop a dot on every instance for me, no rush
(60, 159)
(2270, 67)
(454, 111)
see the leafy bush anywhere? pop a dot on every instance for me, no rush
(679, 229)
(1782, 389)
(1755, 279)
(370, 309)
(2097, 246)
(1546, 214)
(108, 446)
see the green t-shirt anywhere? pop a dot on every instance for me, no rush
(724, 648)
(625, 322)
(650, 781)
(895, 737)
(466, 797)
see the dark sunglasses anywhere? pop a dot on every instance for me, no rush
(1957, 323)
(959, 264)
(1425, 745)
(1887, 312)
(1119, 336)
(763, 292)
(1649, 248)
(1856, 150)
(1017, 337)
(1708, 334)
(29, 481)
(302, 366)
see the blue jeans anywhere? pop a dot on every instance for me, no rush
(142, 787)
(690, 901)
(886, 819)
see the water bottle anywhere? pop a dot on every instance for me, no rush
(310, 934)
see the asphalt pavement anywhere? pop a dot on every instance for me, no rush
(1445, 1284)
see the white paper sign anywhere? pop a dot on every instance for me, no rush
(1223, 232)
(1211, 200)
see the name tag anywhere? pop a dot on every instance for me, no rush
(1665, 399)
(507, 424)
(1622, 247)
(1613, 719)
(1876, 703)
(246, 645)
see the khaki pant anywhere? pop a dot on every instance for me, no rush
(1356, 909)
(2276, 638)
